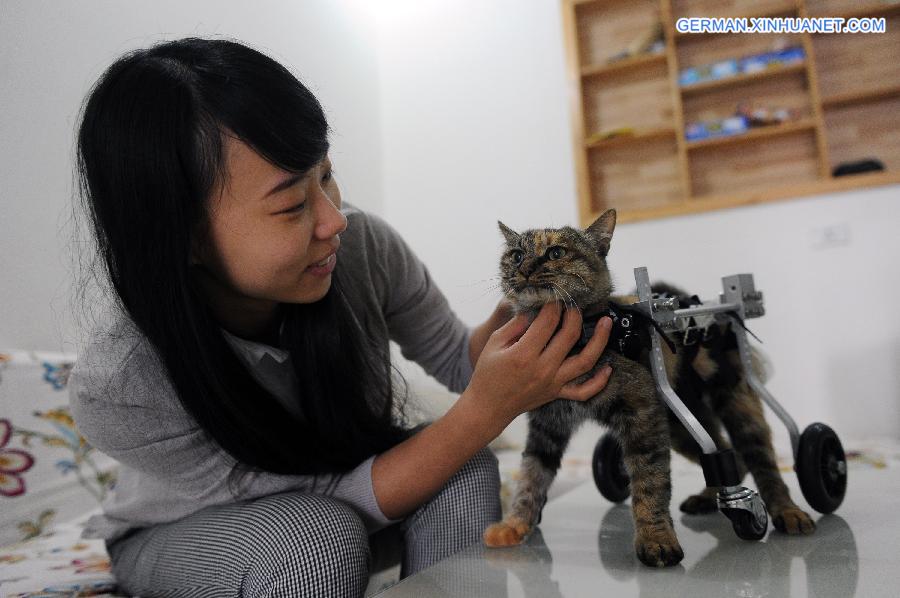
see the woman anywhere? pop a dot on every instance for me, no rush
(244, 380)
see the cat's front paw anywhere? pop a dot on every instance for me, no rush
(793, 521)
(509, 532)
(659, 549)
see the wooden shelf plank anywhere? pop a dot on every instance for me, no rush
(753, 197)
(755, 134)
(624, 65)
(858, 97)
(639, 136)
(786, 11)
(744, 79)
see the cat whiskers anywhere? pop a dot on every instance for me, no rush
(586, 287)
(557, 295)
(556, 285)
(562, 286)
(490, 289)
(469, 284)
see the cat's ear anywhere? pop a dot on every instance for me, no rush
(602, 230)
(512, 237)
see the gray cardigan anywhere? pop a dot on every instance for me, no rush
(125, 405)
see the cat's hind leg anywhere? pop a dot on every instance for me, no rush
(696, 367)
(704, 501)
(741, 411)
(549, 431)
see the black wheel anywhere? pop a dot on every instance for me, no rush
(609, 470)
(821, 468)
(746, 525)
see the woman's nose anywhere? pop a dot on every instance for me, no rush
(329, 220)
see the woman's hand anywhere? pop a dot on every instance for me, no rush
(523, 366)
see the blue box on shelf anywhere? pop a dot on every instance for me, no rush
(760, 62)
(724, 68)
(695, 131)
(791, 55)
(732, 125)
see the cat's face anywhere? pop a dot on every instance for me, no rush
(557, 264)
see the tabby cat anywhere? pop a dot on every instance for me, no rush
(569, 266)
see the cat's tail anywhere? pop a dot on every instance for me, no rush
(664, 288)
(762, 365)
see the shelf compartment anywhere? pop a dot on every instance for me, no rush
(641, 96)
(870, 130)
(789, 157)
(625, 65)
(715, 48)
(606, 28)
(743, 79)
(634, 177)
(848, 63)
(791, 93)
(755, 134)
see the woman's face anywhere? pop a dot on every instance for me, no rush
(272, 238)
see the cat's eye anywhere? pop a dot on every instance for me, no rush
(554, 253)
(517, 257)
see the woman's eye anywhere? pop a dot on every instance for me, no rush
(556, 252)
(296, 208)
(328, 175)
(517, 257)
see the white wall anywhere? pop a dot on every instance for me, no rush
(50, 55)
(476, 128)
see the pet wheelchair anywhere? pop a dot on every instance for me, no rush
(819, 459)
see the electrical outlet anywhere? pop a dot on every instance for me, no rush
(832, 235)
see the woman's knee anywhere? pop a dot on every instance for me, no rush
(480, 475)
(315, 546)
(473, 493)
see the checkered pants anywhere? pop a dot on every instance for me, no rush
(295, 544)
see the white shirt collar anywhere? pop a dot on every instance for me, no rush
(253, 351)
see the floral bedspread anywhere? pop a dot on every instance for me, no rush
(57, 563)
(51, 480)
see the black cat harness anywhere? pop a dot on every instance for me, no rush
(630, 332)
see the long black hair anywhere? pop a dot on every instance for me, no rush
(149, 153)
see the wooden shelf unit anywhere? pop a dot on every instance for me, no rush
(844, 96)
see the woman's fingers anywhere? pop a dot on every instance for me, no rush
(579, 364)
(589, 388)
(565, 339)
(541, 329)
(511, 330)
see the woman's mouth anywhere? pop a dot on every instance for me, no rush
(323, 267)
